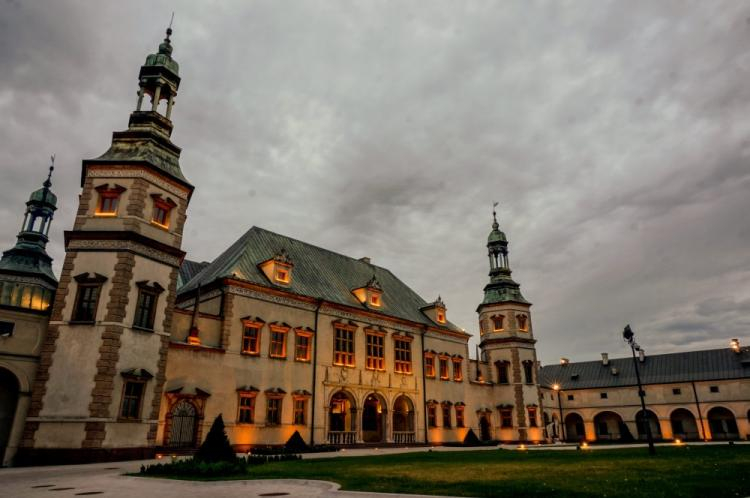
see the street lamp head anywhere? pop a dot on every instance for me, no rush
(627, 334)
(556, 387)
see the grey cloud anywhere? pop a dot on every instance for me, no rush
(614, 134)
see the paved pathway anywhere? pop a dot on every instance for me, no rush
(107, 480)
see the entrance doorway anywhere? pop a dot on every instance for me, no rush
(373, 430)
(485, 428)
(184, 424)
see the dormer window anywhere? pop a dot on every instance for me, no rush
(278, 269)
(371, 294)
(162, 210)
(436, 311)
(109, 199)
(498, 323)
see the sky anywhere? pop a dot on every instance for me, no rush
(614, 135)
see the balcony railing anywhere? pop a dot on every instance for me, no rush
(342, 437)
(404, 437)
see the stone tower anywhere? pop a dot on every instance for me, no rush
(101, 374)
(27, 286)
(507, 340)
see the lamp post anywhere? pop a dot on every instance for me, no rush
(556, 387)
(629, 338)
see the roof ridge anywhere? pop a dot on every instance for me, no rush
(319, 247)
(647, 356)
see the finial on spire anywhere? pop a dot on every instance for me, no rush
(169, 28)
(48, 182)
(495, 225)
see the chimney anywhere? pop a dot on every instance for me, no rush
(605, 359)
(735, 344)
(365, 259)
(641, 355)
(564, 361)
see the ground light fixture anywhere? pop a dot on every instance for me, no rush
(629, 337)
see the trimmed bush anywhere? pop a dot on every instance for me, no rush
(216, 447)
(295, 443)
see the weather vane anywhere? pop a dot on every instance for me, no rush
(494, 213)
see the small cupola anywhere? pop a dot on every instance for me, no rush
(435, 311)
(279, 268)
(371, 294)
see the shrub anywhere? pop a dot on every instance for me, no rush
(216, 447)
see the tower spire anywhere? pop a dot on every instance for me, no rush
(501, 287)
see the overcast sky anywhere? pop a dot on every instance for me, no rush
(614, 135)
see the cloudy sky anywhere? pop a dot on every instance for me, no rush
(615, 136)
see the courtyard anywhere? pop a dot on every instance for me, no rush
(676, 471)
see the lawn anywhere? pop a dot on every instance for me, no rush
(698, 471)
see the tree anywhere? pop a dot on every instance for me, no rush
(216, 447)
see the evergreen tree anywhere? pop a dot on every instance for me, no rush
(216, 447)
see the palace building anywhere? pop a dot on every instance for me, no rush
(137, 349)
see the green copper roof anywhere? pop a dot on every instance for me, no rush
(43, 195)
(316, 272)
(496, 236)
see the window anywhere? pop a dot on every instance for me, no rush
(375, 351)
(109, 199)
(532, 416)
(402, 350)
(87, 297)
(246, 413)
(273, 410)
(277, 345)
(6, 329)
(676, 391)
(460, 416)
(603, 395)
(162, 210)
(302, 345)
(300, 410)
(502, 372)
(441, 316)
(282, 275)
(343, 347)
(446, 415)
(523, 323)
(431, 415)
(498, 323)
(429, 365)
(444, 369)
(458, 374)
(528, 371)
(251, 337)
(714, 389)
(132, 397)
(145, 309)
(571, 397)
(506, 417)
(375, 299)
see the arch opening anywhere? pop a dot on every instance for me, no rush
(373, 419)
(184, 425)
(610, 427)
(574, 428)
(683, 425)
(9, 388)
(403, 420)
(342, 412)
(650, 421)
(722, 423)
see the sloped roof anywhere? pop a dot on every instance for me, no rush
(712, 364)
(317, 273)
(188, 270)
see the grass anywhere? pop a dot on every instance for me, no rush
(697, 471)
